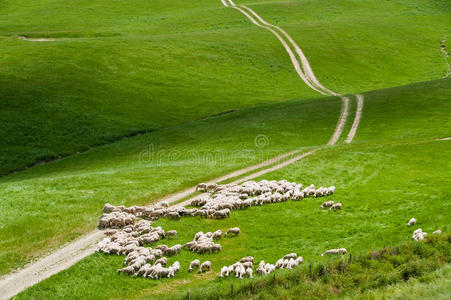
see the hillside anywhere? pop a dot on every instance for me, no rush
(392, 171)
(102, 70)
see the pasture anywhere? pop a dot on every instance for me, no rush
(115, 69)
(126, 102)
(381, 181)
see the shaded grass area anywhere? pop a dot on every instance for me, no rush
(381, 183)
(121, 67)
(369, 272)
(46, 206)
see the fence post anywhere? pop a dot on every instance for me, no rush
(310, 271)
(350, 258)
(188, 296)
(231, 289)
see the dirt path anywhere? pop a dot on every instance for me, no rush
(73, 252)
(22, 37)
(355, 124)
(49, 265)
(305, 71)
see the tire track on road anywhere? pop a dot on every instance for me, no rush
(355, 124)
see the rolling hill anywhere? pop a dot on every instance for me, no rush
(111, 69)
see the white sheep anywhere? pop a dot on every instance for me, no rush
(162, 261)
(234, 230)
(205, 266)
(291, 255)
(418, 234)
(411, 222)
(194, 264)
(247, 259)
(327, 204)
(335, 251)
(225, 271)
(249, 272)
(217, 234)
(172, 233)
(336, 206)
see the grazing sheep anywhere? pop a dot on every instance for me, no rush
(336, 206)
(157, 253)
(173, 250)
(217, 234)
(327, 204)
(418, 235)
(201, 187)
(205, 266)
(411, 222)
(335, 251)
(129, 270)
(234, 230)
(198, 235)
(240, 271)
(173, 215)
(110, 232)
(225, 271)
(162, 247)
(172, 233)
(194, 264)
(107, 208)
(142, 272)
(249, 272)
(438, 231)
(247, 259)
(291, 255)
(162, 261)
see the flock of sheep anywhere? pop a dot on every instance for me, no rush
(126, 236)
(221, 199)
(218, 203)
(419, 234)
(134, 238)
(244, 266)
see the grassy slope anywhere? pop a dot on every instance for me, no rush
(123, 67)
(359, 45)
(383, 180)
(436, 286)
(119, 68)
(367, 276)
(38, 205)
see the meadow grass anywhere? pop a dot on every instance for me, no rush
(51, 204)
(360, 276)
(436, 285)
(121, 67)
(383, 179)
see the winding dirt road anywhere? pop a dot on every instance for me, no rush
(73, 252)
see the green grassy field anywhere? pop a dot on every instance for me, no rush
(395, 169)
(120, 67)
(435, 286)
(131, 94)
(384, 273)
(38, 205)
